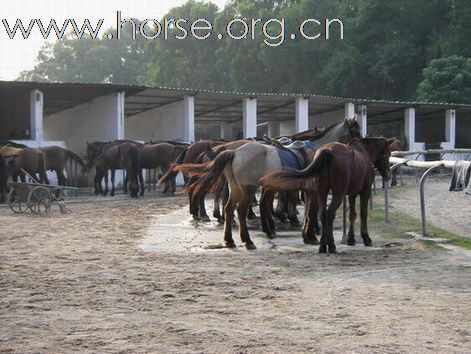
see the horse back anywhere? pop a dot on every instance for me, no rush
(253, 161)
(55, 157)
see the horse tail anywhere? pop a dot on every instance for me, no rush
(171, 173)
(73, 156)
(293, 179)
(210, 173)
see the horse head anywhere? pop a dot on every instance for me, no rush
(93, 151)
(351, 128)
(380, 152)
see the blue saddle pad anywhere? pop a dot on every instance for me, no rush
(289, 159)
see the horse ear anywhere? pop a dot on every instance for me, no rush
(390, 141)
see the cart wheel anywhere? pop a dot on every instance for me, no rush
(39, 200)
(16, 204)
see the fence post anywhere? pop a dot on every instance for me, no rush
(422, 195)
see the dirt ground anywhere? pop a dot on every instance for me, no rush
(448, 210)
(116, 275)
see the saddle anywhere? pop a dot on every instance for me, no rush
(292, 153)
(9, 151)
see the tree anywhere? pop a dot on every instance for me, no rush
(90, 60)
(446, 80)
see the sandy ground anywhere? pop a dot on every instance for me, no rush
(138, 276)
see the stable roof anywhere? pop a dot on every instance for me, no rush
(211, 105)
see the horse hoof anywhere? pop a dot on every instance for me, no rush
(231, 244)
(205, 219)
(271, 235)
(312, 242)
(250, 246)
(323, 249)
(351, 242)
(368, 244)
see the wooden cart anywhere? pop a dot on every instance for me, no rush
(37, 198)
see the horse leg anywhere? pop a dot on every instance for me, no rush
(250, 213)
(234, 196)
(265, 213)
(280, 207)
(141, 181)
(216, 209)
(394, 178)
(193, 206)
(112, 182)
(202, 208)
(61, 180)
(352, 217)
(105, 175)
(310, 219)
(337, 199)
(364, 199)
(292, 203)
(248, 193)
(97, 182)
(127, 180)
(322, 197)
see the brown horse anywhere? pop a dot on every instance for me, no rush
(244, 167)
(397, 145)
(161, 155)
(56, 158)
(29, 160)
(344, 170)
(115, 156)
(191, 155)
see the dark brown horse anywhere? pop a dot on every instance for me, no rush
(115, 156)
(161, 155)
(56, 158)
(191, 155)
(344, 170)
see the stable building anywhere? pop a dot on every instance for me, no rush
(72, 114)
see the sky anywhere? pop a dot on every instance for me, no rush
(20, 54)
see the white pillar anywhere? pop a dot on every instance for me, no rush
(274, 129)
(450, 127)
(302, 114)
(120, 98)
(409, 126)
(363, 120)
(189, 118)
(249, 119)
(349, 110)
(226, 131)
(36, 116)
(450, 134)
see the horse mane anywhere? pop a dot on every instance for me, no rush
(324, 132)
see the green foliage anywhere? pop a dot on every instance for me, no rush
(387, 45)
(446, 80)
